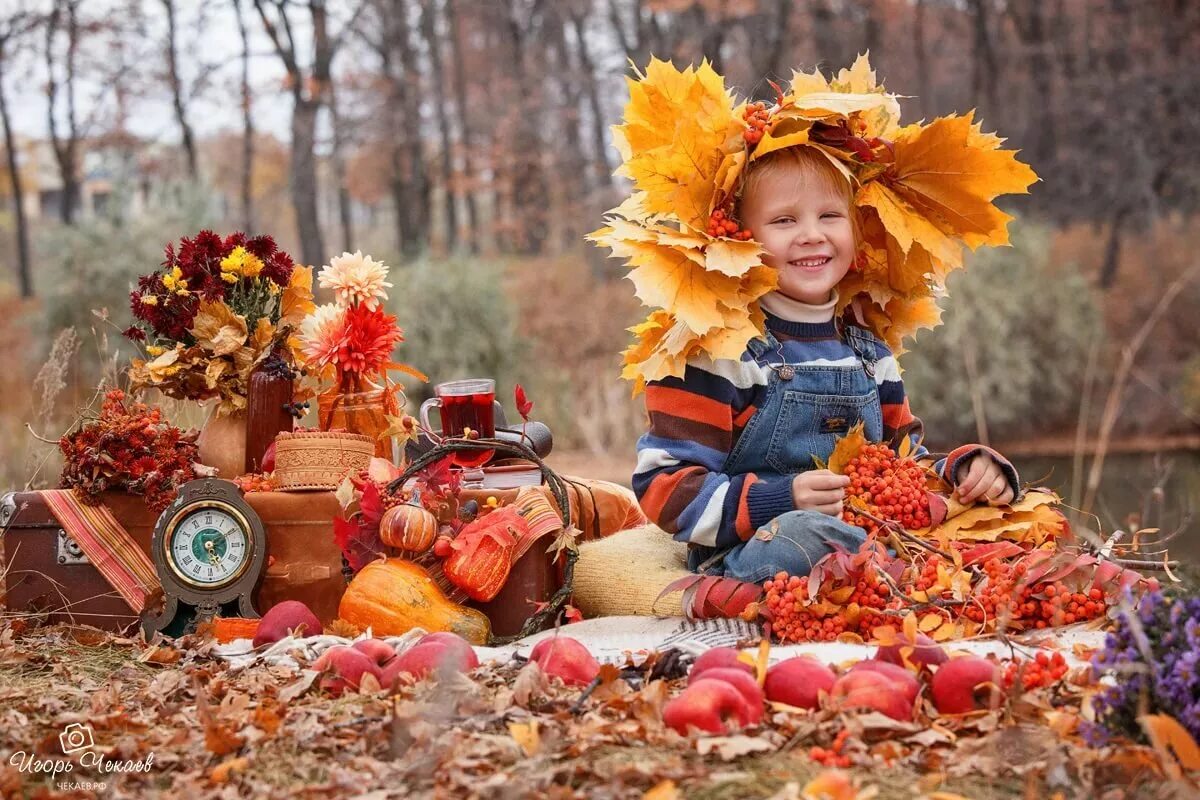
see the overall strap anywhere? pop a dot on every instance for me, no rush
(863, 343)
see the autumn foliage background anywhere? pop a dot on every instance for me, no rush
(465, 142)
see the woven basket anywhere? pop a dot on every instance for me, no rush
(623, 574)
(319, 459)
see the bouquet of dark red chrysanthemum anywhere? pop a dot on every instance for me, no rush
(350, 341)
(214, 310)
(130, 447)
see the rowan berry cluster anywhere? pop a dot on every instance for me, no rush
(758, 116)
(721, 224)
(1039, 672)
(794, 619)
(833, 755)
(890, 487)
(257, 482)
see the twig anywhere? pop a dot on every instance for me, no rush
(899, 530)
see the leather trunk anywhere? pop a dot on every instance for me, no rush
(46, 573)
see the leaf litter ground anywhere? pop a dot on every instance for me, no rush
(504, 732)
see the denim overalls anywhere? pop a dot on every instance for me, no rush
(804, 411)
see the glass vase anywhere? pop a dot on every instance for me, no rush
(361, 406)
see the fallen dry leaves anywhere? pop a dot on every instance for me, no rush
(509, 731)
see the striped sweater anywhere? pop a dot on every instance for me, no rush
(695, 421)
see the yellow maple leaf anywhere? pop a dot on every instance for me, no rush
(951, 170)
(296, 303)
(667, 277)
(676, 126)
(846, 449)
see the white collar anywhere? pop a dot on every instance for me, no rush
(793, 310)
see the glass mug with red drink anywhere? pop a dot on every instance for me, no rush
(465, 404)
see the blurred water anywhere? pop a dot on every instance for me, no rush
(1125, 489)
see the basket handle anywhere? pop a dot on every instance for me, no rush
(542, 619)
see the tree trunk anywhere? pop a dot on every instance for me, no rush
(464, 122)
(438, 76)
(414, 215)
(924, 86)
(177, 100)
(66, 151)
(304, 179)
(339, 174)
(825, 41)
(984, 67)
(601, 165)
(247, 183)
(24, 276)
(1112, 249)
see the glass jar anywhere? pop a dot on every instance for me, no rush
(363, 407)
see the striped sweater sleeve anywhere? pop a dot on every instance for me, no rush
(900, 422)
(694, 422)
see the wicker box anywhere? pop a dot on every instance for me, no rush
(319, 459)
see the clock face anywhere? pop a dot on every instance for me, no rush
(209, 547)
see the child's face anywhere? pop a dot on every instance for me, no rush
(805, 229)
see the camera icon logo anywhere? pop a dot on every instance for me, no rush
(75, 737)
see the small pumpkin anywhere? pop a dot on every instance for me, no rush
(393, 596)
(482, 553)
(408, 527)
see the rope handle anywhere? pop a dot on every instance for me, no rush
(558, 489)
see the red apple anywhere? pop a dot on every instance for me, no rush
(344, 668)
(798, 682)
(900, 676)
(449, 639)
(426, 658)
(378, 650)
(925, 652)
(268, 460)
(565, 658)
(872, 690)
(966, 684)
(709, 705)
(752, 693)
(717, 658)
(283, 618)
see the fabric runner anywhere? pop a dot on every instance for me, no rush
(107, 545)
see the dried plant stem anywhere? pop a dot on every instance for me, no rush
(1112, 405)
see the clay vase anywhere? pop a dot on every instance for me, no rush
(222, 443)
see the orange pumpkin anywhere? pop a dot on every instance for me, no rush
(482, 553)
(394, 596)
(408, 527)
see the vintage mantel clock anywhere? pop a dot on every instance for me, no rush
(209, 549)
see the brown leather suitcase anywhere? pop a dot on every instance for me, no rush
(44, 571)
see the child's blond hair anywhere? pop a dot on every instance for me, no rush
(814, 167)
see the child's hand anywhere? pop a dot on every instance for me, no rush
(819, 490)
(982, 479)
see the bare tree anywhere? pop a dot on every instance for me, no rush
(247, 181)
(64, 19)
(345, 215)
(429, 30)
(454, 11)
(11, 29)
(177, 94)
(310, 91)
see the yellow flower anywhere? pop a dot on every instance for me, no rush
(241, 262)
(150, 300)
(175, 282)
(155, 350)
(229, 277)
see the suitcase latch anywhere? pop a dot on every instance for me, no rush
(69, 552)
(8, 509)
